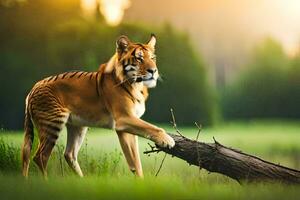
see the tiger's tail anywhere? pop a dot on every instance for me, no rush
(28, 140)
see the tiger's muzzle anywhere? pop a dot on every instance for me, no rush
(150, 79)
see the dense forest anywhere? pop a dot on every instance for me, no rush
(42, 37)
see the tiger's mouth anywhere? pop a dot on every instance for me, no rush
(150, 82)
(140, 79)
(147, 80)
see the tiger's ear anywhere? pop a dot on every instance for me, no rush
(152, 41)
(122, 44)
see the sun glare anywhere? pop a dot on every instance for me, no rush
(89, 6)
(289, 26)
(112, 10)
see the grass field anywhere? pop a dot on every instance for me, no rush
(107, 175)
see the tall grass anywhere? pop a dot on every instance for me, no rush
(107, 176)
(9, 157)
(100, 163)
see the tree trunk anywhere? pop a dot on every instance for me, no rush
(240, 166)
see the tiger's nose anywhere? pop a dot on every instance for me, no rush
(151, 71)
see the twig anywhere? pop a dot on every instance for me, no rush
(174, 123)
(60, 160)
(152, 147)
(216, 142)
(197, 147)
(199, 130)
(86, 154)
(152, 151)
(161, 164)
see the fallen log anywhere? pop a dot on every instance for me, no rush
(215, 157)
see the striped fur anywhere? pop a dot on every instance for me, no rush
(112, 97)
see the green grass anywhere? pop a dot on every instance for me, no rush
(131, 188)
(107, 175)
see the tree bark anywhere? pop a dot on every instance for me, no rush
(233, 163)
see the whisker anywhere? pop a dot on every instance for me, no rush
(160, 78)
(127, 79)
(135, 77)
(140, 76)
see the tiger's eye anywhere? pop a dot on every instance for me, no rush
(140, 59)
(140, 54)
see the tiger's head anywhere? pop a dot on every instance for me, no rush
(136, 62)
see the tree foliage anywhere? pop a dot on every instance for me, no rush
(40, 38)
(268, 88)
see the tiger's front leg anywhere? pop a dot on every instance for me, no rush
(129, 144)
(142, 128)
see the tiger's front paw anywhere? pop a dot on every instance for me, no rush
(164, 140)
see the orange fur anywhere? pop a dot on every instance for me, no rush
(112, 97)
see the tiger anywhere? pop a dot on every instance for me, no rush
(111, 97)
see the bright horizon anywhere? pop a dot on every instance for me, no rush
(279, 19)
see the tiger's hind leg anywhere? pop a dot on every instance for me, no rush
(45, 147)
(48, 131)
(75, 138)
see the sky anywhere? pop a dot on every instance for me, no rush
(223, 31)
(277, 18)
